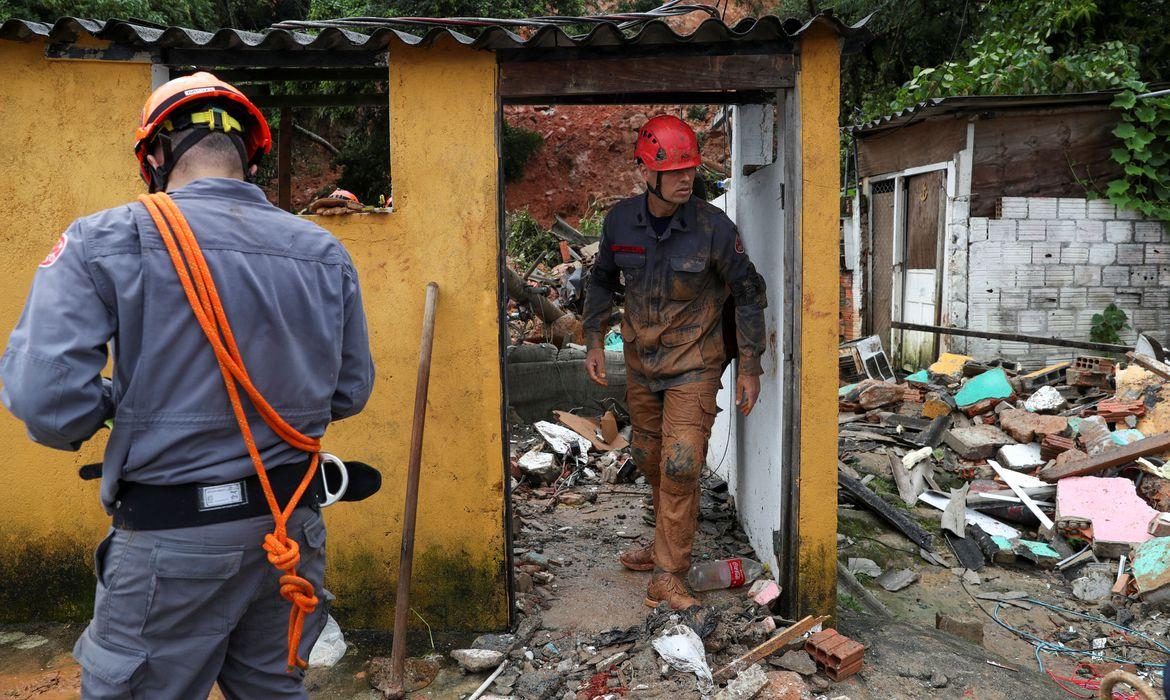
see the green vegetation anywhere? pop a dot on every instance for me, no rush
(519, 145)
(527, 239)
(1108, 324)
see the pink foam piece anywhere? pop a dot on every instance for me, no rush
(771, 592)
(1118, 514)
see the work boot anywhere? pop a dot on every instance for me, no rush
(638, 558)
(668, 589)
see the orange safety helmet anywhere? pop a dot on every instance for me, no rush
(667, 143)
(174, 107)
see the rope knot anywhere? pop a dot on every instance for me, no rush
(299, 592)
(283, 553)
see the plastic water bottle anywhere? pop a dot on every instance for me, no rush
(724, 573)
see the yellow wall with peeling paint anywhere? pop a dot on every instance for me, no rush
(65, 151)
(818, 88)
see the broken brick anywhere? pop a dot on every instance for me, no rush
(1054, 445)
(839, 655)
(1025, 426)
(933, 407)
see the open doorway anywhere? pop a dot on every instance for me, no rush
(572, 513)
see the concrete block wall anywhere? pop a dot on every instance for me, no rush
(1048, 264)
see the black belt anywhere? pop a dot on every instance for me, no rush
(152, 507)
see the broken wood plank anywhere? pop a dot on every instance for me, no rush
(782, 638)
(1109, 458)
(932, 435)
(1159, 368)
(915, 532)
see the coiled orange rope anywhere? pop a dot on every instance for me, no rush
(194, 275)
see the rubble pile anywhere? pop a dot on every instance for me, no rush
(1060, 472)
(733, 646)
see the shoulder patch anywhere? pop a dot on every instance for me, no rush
(738, 244)
(58, 249)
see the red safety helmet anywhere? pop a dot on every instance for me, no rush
(174, 106)
(667, 143)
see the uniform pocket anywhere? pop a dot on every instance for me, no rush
(632, 261)
(681, 336)
(108, 669)
(185, 588)
(686, 277)
(99, 558)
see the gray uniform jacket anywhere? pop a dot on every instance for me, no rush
(675, 287)
(290, 292)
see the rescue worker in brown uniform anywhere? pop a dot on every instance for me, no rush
(677, 258)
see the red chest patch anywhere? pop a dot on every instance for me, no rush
(58, 248)
(738, 244)
(627, 249)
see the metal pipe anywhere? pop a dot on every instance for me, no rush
(1014, 337)
(406, 558)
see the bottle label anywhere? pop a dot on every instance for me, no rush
(736, 568)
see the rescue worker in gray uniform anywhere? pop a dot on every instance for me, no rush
(678, 259)
(184, 596)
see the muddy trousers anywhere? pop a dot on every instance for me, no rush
(669, 446)
(177, 610)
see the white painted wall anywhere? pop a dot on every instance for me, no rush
(747, 451)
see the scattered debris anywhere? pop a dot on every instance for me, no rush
(896, 580)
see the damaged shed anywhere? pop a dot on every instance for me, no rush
(972, 213)
(71, 102)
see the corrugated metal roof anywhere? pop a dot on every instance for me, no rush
(949, 106)
(656, 33)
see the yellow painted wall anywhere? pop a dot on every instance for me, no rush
(444, 228)
(818, 88)
(65, 151)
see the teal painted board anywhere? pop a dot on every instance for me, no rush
(992, 384)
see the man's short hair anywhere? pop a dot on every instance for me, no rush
(215, 150)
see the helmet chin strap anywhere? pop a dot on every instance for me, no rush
(656, 189)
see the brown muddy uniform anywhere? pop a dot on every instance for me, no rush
(675, 288)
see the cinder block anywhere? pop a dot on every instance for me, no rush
(1115, 276)
(1125, 214)
(1101, 209)
(1057, 276)
(1075, 297)
(1060, 230)
(1013, 298)
(1090, 231)
(1045, 253)
(1029, 276)
(977, 229)
(1076, 254)
(1119, 231)
(1001, 230)
(1031, 230)
(1157, 253)
(1044, 297)
(1144, 276)
(1101, 297)
(1103, 253)
(1145, 319)
(1031, 321)
(1015, 255)
(1014, 208)
(1042, 207)
(1128, 298)
(1164, 275)
(1150, 232)
(1131, 254)
(1071, 208)
(1156, 299)
(1087, 276)
(1062, 322)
